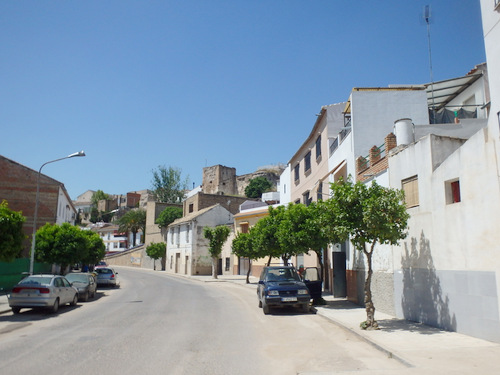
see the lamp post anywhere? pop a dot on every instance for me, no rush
(32, 259)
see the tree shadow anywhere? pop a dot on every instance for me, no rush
(422, 295)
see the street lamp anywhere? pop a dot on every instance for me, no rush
(32, 259)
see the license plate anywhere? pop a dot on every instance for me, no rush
(289, 299)
(29, 291)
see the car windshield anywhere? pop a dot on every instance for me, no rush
(36, 280)
(72, 277)
(282, 274)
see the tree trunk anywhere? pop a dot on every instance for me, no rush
(320, 261)
(269, 260)
(249, 270)
(214, 267)
(371, 323)
(134, 235)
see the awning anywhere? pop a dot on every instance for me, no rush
(439, 94)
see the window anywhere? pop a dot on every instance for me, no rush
(296, 171)
(228, 264)
(172, 236)
(320, 191)
(187, 233)
(410, 187)
(306, 199)
(191, 208)
(307, 162)
(452, 191)
(244, 227)
(178, 235)
(318, 147)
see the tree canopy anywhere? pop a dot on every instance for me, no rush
(168, 216)
(99, 195)
(257, 186)
(243, 247)
(66, 244)
(11, 233)
(216, 238)
(168, 185)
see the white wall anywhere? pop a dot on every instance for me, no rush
(285, 186)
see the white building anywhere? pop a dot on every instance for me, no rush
(187, 248)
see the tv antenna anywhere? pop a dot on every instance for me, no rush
(427, 19)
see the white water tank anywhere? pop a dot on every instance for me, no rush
(404, 131)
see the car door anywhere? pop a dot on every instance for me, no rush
(68, 291)
(313, 282)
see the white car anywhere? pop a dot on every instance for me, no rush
(50, 291)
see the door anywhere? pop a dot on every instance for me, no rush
(339, 274)
(312, 280)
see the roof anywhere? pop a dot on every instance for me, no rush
(441, 93)
(347, 108)
(193, 215)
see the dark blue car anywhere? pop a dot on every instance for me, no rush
(281, 286)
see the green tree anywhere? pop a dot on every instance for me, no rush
(257, 186)
(293, 235)
(95, 248)
(265, 235)
(168, 216)
(168, 185)
(216, 237)
(156, 251)
(99, 195)
(11, 233)
(243, 247)
(61, 244)
(367, 215)
(133, 221)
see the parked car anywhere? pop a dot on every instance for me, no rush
(85, 283)
(281, 286)
(101, 264)
(49, 291)
(107, 276)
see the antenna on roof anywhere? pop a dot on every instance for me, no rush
(427, 19)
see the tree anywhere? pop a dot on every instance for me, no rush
(156, 251)
(95, 246)
(367, 214)
(11, 233)
(257, 186)
(292, 233)
(168, 216)
(216, 237)
(265, 238)
(99, 195)
(168, 187)
(243, 247)
(133, 221)
(61, 244)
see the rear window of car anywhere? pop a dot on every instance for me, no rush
(281, 274)
(103, 270)
(36, 280)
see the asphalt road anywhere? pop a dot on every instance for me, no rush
(160, 324)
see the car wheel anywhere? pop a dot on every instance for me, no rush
(16, 310)
(265, 308)
(55, 307)
(85, 297)
(75, 300)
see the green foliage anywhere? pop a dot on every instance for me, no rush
(257, 186)
(265, 238)
(156, 250)
(243, 247)
(367, 213)
(99, 195)
(168, 187)
(216, 238)
(11, 233)
(133, 221)
(168, 216)
(61, 244)
(95, 246)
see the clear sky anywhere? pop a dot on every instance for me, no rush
(195, 83)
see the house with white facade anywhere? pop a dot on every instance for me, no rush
(187, 248)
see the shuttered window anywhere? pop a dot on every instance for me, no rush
(410, 187)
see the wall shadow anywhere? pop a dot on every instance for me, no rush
(422, 296)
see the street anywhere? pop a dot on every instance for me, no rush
(156, 323)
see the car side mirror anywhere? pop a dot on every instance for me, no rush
(261, 282)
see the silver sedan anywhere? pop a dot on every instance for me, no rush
(48, 291)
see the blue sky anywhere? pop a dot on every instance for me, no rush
(195, 83)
